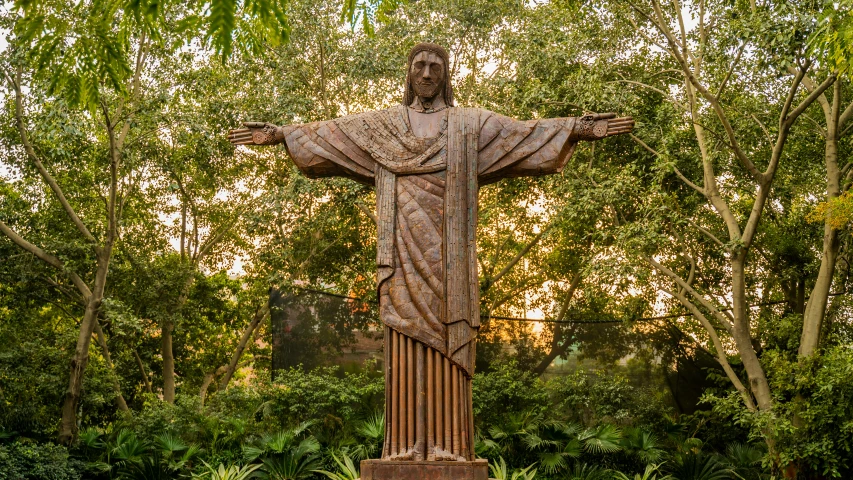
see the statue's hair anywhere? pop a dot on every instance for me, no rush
(409, 94)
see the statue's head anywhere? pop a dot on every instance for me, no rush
(428, 74)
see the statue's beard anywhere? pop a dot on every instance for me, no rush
(426, 90)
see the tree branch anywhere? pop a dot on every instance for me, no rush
(142, 371)
(763, 128)
(47, 258)
(367, 212)
(725, 81)
(708, 234)
(693, 293)
(260, 314)
(722, 359)
(715, 104)
(845, 116)
(655, 89)
(34, 158)
(512, 263)
(806, 103)
(677, 171)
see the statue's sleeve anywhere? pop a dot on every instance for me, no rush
(515, 148)
(322, 149)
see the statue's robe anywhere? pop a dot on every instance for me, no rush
(426, 249)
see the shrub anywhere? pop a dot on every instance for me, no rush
(25, 461)
(507, 390)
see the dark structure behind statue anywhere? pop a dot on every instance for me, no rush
(427, 160)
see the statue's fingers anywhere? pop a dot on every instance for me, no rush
(239, 131)
(254, 124)
(618, 131)
(620, 126)
(621, 122)
(241, 140)
(245, 134)
(604, 116)
(613, 126)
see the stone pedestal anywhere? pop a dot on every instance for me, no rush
(385, 470)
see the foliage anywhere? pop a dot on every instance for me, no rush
(499, 471)
(837, 212)
(346, 469)
(650, 473)
(505, 391)
(232, 472)
(27, 460)
(699, 466)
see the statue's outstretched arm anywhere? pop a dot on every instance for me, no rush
(514, 148)
(600, 125)
(258, 133)
(318, 149)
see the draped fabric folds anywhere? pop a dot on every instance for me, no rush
(426, 190)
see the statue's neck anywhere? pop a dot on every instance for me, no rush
(423, 104)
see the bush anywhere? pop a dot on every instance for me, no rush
(507, 390)
(590, 399)
(20, 461)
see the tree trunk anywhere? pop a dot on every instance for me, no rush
(758, 384)
(558, 348)
(208, 379)
(102, 341)
(68, 424)
(816, 307)
(166, 337)
(559, 344)
(241, 346)
(142, 371)
(168, 361)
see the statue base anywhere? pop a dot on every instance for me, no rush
(388, 470)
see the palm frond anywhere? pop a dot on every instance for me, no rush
(603, 439)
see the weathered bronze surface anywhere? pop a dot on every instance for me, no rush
(427, 160)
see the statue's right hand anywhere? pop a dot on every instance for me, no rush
(255, 133)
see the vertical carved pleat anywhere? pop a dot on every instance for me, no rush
(430, 404)
(401, 393)
(421, 401)
(410, 395)
(448, 406)
(469, 409)
(392, 420)
(438, 399)
(454, 382)
(463, 417)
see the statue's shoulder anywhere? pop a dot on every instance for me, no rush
(371, 114)
(484, 116)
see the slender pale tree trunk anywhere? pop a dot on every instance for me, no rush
(102, 341)
(815, 311)
(142, 371)
(68, 424)
(758, 384)
(261, 314)
(168, 360)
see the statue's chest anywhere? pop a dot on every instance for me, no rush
(389, 136)
(427, 125)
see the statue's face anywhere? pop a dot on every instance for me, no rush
(427, 74)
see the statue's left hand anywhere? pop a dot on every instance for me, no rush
(600, 125)
(256, 133)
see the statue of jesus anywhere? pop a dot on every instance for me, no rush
(427, 159)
